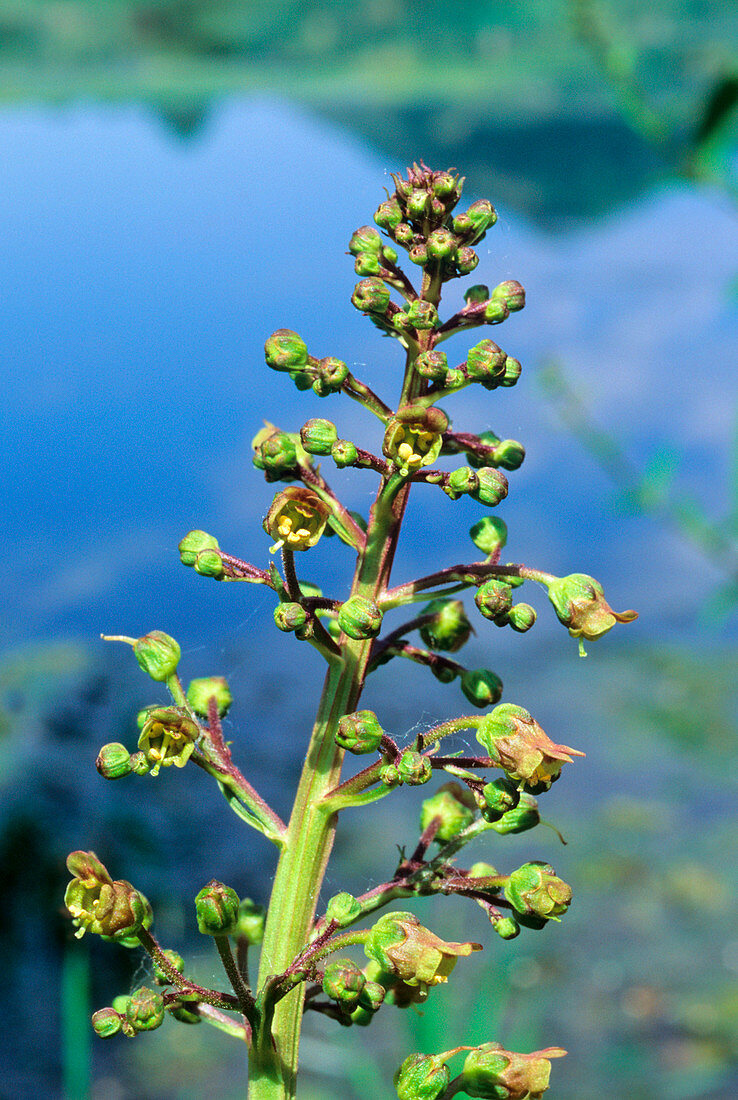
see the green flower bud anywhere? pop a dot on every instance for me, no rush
(492, 1071)
(389, 775)
(389, 255)
(513, 370)
(157, 654)
(360, 618)
(447, 186)
(251, 921)
(366, 239)
(389, 215)
(344, 909)
(495, 312)
(145, 1009)
(454, 805)
(535, 889)
(296, 518)
(489, 535)
(180, 1011)
(106, 1022)
(463, 480)
(580, 604)
(366, 263)
(404, 234)
(422, 1077)
(466, 261)
(421, 315)
(520, 819)
(209, 563)
(507, 928)
(216, 908)
(344, 453)
(492, 487)
(318, 436)
(372, 997)
(413, 768)
(515, 741)
(521, 617)
(474, 223)
(494, 599)
(442, 245)
(449, 628)
(417, 205)
(344, 982)
(290, 616)
(481, 686)
(418, 254)
(285, 350)
(432, 365)
(359, 732)
(275, 453)
(302, 379)
(401, 946)
(371, 296)
(332, 373)
(499, 796)
(205, 688)
(113, 761)
(478, 458)
(168, 737)
(98, 904)
(509, 454)
(120, 1003)
(174, 959)
(475, 295)
(486, 362)
(511, 293)
(193, 543)
(445, 674)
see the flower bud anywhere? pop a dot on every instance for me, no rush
(401, 946)
(168, 737)
(507, 928)
(509, 454)
(413, 768)
(366, 263)
(275, 453)
(513, 370)
(494, 599)
(359, 732)
(489, 535)
(389, 215)
(515, 741)
(404, 234)
(474, 223)
(492, 487)
(296, 518)
(520, 819)
(417, 205)
(285, 350)
(372, 996)
(344, 909)
(481, 686)
(486, 362)
(421, 315)
(360, 618)
(442, 244)
(389, 255)
(113, 761)
(449, 628)
(99, 905)
(444, 673)
(175, 960)
(498, 797)
(389, 775)
(365, 239)
(331, 375)
(455, 807)
(145, 1009)
(521, 617)
(422, 1077)
(462, 480)
(205, 688)
(511, 293)
(466, 261)
(371, 296)
(432, 365)
(157, 654)
(580, 604)
(180, 1011)
(535, 889)
(343, 982)
(290, 616)
(193, 543)
(418, 254)
(318, 436)
(216, 908)
(475, 295)
(251, 921)
(106, 1022)
(495, 312)
(344, 453)
(492, 1071)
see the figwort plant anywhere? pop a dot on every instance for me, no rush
(302, 965)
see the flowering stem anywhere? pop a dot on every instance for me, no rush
(244, 994)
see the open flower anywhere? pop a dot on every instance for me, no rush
(580, 604)
(519, 746)
(296, 518)
(490, 1070)
(98, 904)
(168, 737)
(414, 437)
(410, 952)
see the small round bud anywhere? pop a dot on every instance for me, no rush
(449, 628)
(498, 797)
(494, 599)
(359, 732)
(446, 186)
(475, 295)
(417, 205)
(372, 996)
(442, 245)
(432, 365)
(365, 239)
(463, 480)
(481, 687)
(507, 928)
(413, 768)
(535, 889)
(366, 263)
(513, 370)
(343, 982)
(495, 312)
(106, 1022)
(466, 261)
(486, 362)
(303, 380)
(113, 761)
(521, 617)
(285, 350)
(290, 616)
(444, 673)
(251, 921)
(455, 379)
(332, 373)
(175, 960)
(344, 909)
(205, 688)
(509, 454)
(489, 535)
(474, 223)
(193, 543)
(418, 254)
(209, 563)
(344, 453)
(360, 618)
(404, 234)
(274, 452)
(145, 1009)
(520, 818)
(511, 293)
(421, 1077)
(158, 654)
(389, 775)
(318, 436)
(421, 315)
(216, 908)
(492, 487)
(389, 215)
(454, 805)
(371, 296)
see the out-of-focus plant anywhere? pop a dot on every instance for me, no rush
(303, 961)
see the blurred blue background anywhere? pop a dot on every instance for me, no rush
(179, 179)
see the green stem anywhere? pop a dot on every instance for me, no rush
(244, 994)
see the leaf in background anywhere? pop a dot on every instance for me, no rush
(656, 482)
